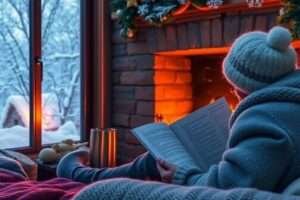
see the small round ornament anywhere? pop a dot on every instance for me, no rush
(130, 33)
(163, 19)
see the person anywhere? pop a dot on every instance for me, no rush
(264, 143)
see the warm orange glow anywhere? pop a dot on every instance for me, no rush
(212, 101)
(231, 104)
(181, 9)
(36, 99)
(208, 51)
(296, 44)
(173, 87)
(103, 147)
(193, 52)
(103, 151)
(114, 152)
(173, 91)
(112, 140)
(110, 146)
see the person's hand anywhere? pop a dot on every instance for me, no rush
(166, 170)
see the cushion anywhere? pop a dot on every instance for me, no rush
(29, 166)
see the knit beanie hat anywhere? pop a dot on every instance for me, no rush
(257, 59)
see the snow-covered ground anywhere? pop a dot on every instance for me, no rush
(61, 73)
(18, 136)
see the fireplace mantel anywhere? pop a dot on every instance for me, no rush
(190, 13)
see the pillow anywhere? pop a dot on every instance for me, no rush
(19, 163)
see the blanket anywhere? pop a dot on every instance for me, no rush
(15, 187)
(123, 189)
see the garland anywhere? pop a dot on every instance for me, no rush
(290, 17)
(156, 12)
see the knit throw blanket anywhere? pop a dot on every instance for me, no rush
(126, 189)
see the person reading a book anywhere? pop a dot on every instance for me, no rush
(263, 148)
(264, 144)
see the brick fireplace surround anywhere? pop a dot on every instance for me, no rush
(152, 72)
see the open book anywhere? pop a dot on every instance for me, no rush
(196, 141)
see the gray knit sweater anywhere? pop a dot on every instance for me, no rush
(128, 189)
(264, 144)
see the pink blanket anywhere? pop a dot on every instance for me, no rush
(14, 187)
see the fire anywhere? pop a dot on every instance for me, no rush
(185, 80)
(159, 117)
(232, 105)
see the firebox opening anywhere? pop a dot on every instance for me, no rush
(183, 83)
(208, 81)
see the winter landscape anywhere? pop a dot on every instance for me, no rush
(61, 75)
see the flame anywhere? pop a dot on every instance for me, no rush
(173, 85)
(230, 104)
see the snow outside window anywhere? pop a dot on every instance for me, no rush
(61, 83)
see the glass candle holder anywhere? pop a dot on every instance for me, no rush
(103, 147)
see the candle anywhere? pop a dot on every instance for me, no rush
(103, 147)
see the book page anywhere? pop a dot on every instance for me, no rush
(204, 133)
(162, 143)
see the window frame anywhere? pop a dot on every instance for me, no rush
(35, 128)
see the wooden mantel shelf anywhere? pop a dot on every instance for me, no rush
(237, 6)
(209, 51)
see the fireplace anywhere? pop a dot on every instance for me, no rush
(208, 81)
(185, 83)
(167, 72)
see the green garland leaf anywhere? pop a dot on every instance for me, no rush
(199, 2)
(291, 16)
(158, 12)
(155, 12)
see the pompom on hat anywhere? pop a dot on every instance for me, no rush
(257, 59)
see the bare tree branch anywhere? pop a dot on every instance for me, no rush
(17, 89)
(45, 2)
(25, 28)
(58, 95)
(58, 56)
(21, 82)
(20, 50)
(71, 92)
(50, 21)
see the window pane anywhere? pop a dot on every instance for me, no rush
(61, 82)
(14, 76)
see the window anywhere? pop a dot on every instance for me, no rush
(14, 76)
(61, 88)
(61, 71)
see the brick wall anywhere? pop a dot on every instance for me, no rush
(146, 84)
(172, 88)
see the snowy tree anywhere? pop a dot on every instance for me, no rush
(60, 47)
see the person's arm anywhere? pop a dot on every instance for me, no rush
(73, 166)
(259, 154)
